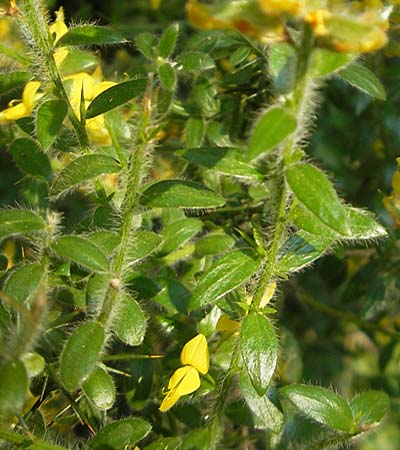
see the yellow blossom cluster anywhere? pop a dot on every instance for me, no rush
(343, 26)
(185, 380)
(91, 85)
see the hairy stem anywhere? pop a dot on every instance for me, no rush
(300, 105)
(128, 207)
(26, 442)
(33, 25)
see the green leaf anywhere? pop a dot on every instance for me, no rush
(115, 96)
(129, 323)
(13, 387)
(81, 251)
(274, 126)
(258, 346)
(80, 354)
(19, 221)
(194, 131)
(77, 61)
(205, 94)
(105, 240)
(30, 159)
(197, 440)
(361, 224)
(212, 244)
(313, 189)
(177, 233)
(180, 194)
(168, 41)
(228, 161)
(239, 55)
(196, 61)
(169, 443)
(325, 62)
(267, 415)
(82, 169)
(224, 275)
(83, 35)
(300, 250)
(142, 244)
(282, 66)
(167, 75)
(12, 80)
(120, 435)
(23, 282)
(320, 404)
(362, 78)
(49, 119)
(173, 296)
(369, 408)
(99, 388)
(147, 44)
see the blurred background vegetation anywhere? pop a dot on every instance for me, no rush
(327, 312)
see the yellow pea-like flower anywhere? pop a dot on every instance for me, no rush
(18, 109)
(184, 381)
(195, 353)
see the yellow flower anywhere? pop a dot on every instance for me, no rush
(277, 7)
(186, 379)
(58, 29)
(91, 88)
(245, 17)
(17, 108)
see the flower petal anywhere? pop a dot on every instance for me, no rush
(195, 353)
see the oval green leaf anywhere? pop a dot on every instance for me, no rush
(194, 131)
(180, 194)
(167, 76)
(82, 169)
(107, 241)
(81, 353)
(30, 159)
(225, 160)
(168, 41)
(274, 126)
(81, 251)
(363, 79)
(23, 282)
(267, 415)
(115, 96)
(129, 323)
(49, 119)
(258, 346)
(119, 435)
(83, 35)
(13, 387)
(196, 61)
(177, 233)
(99, 388)
(141, 245)
(12, 80)
(320, 404)
(325, 62)
(300, 250)
(313, 189)
(19, 221)
(224, 275)
(369, 408)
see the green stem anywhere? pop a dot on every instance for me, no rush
(34, 26)
(128, 208)
(301, 108)
(25, 442)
